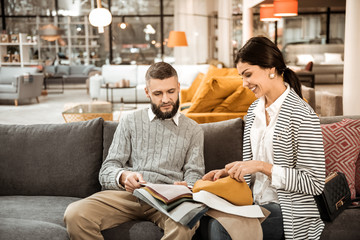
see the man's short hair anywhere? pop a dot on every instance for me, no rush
(160, 70)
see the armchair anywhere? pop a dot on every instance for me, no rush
(15, 86)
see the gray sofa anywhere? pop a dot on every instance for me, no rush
(14, 86)
(67, 74)
(45, 167)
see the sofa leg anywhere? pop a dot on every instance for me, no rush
(37, 99)
(16, 102)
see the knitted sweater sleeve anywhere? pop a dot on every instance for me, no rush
(194, 167)
(117, 158)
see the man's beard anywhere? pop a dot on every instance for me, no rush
(165, 115)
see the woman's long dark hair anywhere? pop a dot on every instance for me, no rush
(264, 53)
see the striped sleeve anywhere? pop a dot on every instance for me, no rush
(309, 174)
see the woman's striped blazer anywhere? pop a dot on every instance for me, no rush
(298, 147)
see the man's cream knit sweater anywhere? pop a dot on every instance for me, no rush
(159, 149)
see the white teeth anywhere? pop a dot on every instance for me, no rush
(252, 89)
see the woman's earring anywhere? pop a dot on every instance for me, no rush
(272, 75)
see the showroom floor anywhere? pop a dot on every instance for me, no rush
(49, 110)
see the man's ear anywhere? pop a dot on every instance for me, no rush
(147, 92)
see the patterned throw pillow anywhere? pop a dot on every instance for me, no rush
(357, 177)
(342, 147)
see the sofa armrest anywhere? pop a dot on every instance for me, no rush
(331, 104)
(30, 88)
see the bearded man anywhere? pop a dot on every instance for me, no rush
(156, 145)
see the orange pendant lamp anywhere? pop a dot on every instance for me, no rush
(177, 39)
(267, 13)
(285, 8)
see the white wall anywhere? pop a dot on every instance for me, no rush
(351, 87)
(191, 16)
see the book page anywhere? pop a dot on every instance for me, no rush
(215, 202)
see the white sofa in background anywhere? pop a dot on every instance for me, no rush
(136, 75)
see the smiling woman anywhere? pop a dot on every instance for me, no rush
(279, 121)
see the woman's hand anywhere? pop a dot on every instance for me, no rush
(239, 169)
(215, 175)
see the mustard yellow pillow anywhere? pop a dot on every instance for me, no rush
(214, 72)
(238, 193)
(213, 92)
(238, 101)
(194, 86)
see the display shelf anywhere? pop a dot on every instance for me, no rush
(23, 56)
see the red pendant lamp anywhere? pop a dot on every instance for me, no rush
(267, 13)
(285, 8)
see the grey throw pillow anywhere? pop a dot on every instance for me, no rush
(223, 143)
(51, 159)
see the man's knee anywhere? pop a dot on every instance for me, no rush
(74, 213)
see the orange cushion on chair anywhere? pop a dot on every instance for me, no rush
(194, 87)
(237, 193)
(215, 72)
(238, 101)
(212, 92)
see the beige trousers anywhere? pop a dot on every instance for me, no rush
(86, 218)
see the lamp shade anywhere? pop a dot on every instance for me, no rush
(177, 39)
(50, 32)
(100, 17)
(285, 8)
(267, 13)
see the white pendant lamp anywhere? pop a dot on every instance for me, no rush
(100, 17)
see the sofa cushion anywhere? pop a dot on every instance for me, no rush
(76, 69)
(213, 91)
(345, 226)
(342, 148)
(139, 230)
(51, 70)
(238, 101)
(33, 217)
(8, 88)
(51, 159)
(62, 70)
(223, 142)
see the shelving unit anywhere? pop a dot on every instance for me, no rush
(79, 44)
(24, 49)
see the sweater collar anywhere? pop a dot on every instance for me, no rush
(175, 119)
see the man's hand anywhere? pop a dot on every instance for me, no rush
(215, 175)
(181, 183)
(131, 180)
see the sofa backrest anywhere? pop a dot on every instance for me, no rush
(8, 74)
(222, 142)
(187, 73)
(51, 159)
(115, 73)
(317, 53)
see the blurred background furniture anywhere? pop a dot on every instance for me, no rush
(328, 60)
(66, 74)
(135, 75)
(18, 83)
(84, 112)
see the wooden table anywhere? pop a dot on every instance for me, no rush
(84, 112)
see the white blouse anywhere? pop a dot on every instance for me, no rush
(261, 137)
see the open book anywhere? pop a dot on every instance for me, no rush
(189, 207)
